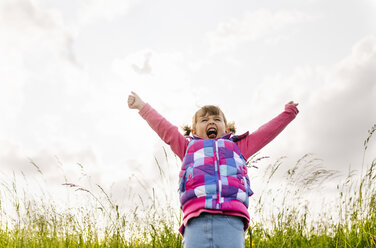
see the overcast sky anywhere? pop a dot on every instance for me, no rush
(67, 67)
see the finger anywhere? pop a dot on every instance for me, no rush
(134, 94)
(292, 103)
(131, 100)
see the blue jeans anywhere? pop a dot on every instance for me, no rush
(214, 231)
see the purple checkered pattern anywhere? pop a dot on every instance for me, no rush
(214, 173)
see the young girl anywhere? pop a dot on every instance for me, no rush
(213, 183)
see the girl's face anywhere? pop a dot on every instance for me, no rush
(210, 127)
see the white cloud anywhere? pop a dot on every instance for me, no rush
(37, 54)
(54, 164)
(29, 30)
(43, 88)
(253, 26)
(151, 73)
(337, 107)
(347, 104)
(109, 10)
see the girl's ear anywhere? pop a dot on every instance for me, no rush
(193, 131)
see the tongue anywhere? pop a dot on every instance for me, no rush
(212, 134)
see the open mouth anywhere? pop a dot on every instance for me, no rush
(211, 133)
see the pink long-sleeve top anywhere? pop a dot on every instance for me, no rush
(249, 145)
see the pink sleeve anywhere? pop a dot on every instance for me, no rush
(168, 132)
(267, 132)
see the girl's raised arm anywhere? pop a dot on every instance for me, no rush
(267, 132)
(167, 132)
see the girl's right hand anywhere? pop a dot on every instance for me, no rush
(135, 102)
(293, 103)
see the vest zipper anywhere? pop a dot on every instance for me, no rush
(220, 199)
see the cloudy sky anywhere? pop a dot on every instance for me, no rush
(67, 67)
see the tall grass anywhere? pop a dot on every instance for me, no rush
(349, 221)
(288, 212)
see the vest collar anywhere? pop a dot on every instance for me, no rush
(226, 136)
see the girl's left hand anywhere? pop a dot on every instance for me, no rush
(135, 102)
(292, 103)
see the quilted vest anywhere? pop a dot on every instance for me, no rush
(214, 174)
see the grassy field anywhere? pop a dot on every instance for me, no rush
(284, 218)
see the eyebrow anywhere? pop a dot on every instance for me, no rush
(207, 116)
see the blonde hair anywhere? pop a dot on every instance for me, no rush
(208, 110)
